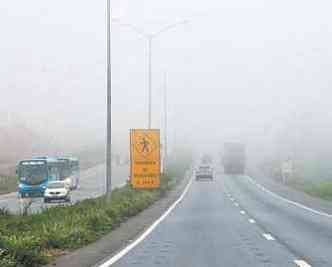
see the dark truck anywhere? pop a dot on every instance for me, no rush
(234, 158)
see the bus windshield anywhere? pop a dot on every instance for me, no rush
(32, 173)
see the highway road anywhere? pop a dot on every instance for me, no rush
(233, 222)
(92, 184)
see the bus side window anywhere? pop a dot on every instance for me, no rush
(52, 173)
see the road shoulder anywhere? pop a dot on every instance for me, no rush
(292, 194)
(108, 245)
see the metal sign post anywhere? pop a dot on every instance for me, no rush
(286, 170)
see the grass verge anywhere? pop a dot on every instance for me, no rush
(322, 189)
(36, 239)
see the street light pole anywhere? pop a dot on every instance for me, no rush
(150, 81)
(150, 37)
(109, 106)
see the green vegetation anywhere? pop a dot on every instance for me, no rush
(32, 240)
(7, 184)
(322, 189)
(36, 239)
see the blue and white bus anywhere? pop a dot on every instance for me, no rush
(75, 170)
(70, 171)
(34, 175)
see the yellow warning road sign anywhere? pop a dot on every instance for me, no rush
(145, 158)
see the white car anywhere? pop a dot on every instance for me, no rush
(204, 172)
(57, 190)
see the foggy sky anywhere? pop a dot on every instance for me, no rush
(237, 70)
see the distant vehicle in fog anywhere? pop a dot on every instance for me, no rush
(34, 175)
(206, 159)
(57, 190)
(70, 171)
(204, 171)
(233, 158)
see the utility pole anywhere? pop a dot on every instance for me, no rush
(109, 107)
(150, 82)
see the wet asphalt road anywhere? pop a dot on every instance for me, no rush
(92, 184)
(232, 222)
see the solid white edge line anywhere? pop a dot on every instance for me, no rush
(302, 263)
(268, 236)
(125, 250)
(321, 213)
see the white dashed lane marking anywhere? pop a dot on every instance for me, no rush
(302, 263)
(268, 237)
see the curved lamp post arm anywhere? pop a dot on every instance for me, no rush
(169, 27)
(133, 28)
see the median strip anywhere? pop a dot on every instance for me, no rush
(36, 239)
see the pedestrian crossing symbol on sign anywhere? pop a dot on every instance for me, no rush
(144, 145)
(145, 158)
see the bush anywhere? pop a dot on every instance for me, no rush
(25, 249)
(4, 212)
(7, 261)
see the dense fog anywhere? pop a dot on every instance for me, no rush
(257, 72)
